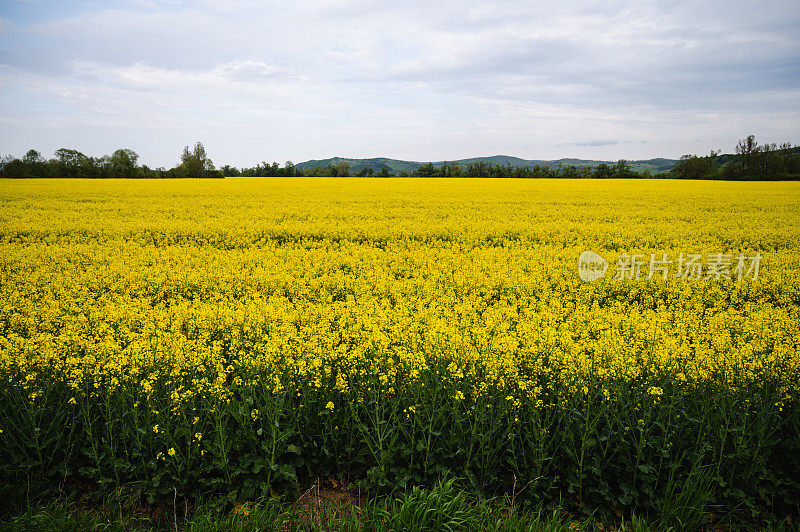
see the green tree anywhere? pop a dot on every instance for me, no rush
(196, 162)
(603, 171)
(426, 170)
(694, 167)
(15, 168)
(622, 169)
(71, 163)
(569, 171)
(478, 169)
(790, 162)
(342, 168)
(36, 165)
(747, 149)
(123, 163)
(229, 171)
(32, 157)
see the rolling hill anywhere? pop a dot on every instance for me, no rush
(395, 166)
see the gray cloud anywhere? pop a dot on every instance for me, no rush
(418, 80)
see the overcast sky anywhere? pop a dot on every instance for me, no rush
(420, 80)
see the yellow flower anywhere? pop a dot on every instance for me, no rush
(155, 428)
(254, 413)
(171, 451)
(329, 406)
(459, 395)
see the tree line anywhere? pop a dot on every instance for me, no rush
(123, 163)
(341, 168)
(750, 162)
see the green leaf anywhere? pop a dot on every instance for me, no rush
(291, 448)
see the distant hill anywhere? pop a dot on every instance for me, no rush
(396, 166)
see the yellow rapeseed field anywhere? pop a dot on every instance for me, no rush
(201, 285)
(185, 295)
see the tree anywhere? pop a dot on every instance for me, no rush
(15, 168)
(71, 163)
(342, 168)
(747, 149)
(694, 167)
(569, 171)
(32, 157)
(623, 169)
(229, 171)
(790, 163)
(759, 162)
(602, 171)
(194, 163)
(426, 170)
(367, 171)
(478, 169)
(123, 163)
(104, 166)
(35, 165)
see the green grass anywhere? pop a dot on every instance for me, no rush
(442, 508)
